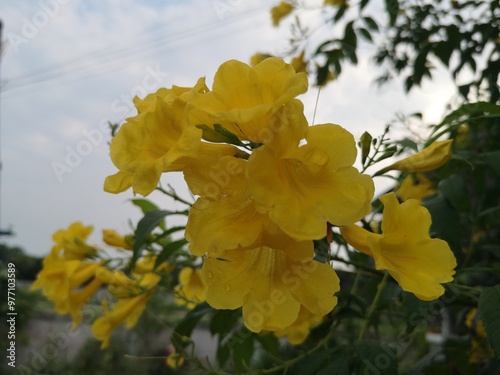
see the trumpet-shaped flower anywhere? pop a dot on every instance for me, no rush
(69, 284)
(126, 310)
(430, 158)
(157, 140)
(191, 289)
(224, 217)
(245, 99)
(71, 241)
(300, 328)
(415, 186)
(113, 238)
(302, 187)
(270, 284)
(419, 264)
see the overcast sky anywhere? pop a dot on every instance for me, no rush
(70, 66)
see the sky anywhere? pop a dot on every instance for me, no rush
(71, 66)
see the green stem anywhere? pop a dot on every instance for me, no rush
(173, 195)
(373, 307)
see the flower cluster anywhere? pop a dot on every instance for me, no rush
(267, 185)
(72, 275)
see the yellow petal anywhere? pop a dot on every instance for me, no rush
(430, 158)
(280, 11)
(303, 188)
(415, 186)
(419, 264)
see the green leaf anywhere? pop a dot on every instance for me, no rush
(365, 34)
(182, 332)
(445, 220)
(145, 205)
(453, 189)
(340, 13)
(350, 40)
(269, 343)
(489, 308)
(363, 3)
(392, 8)
(376, 358)
(223, 321)
(242, 352)
(145, 226)
(211, 135)
(339, 365)
(492, 159)
(370, 23)
(310, 364)
(365, 142)
(233, 138)
(168, 250)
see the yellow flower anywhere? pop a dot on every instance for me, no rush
(415, 186)
(191, 289)
(258, 58)
(133, 297)
(418, 263)
(299, 330)
(299, 63)
(245, 99)
(113, 238)
(480, 349)
(430, 158)
(280, 11)
(119, 284)
(174, 360)
(126, 311)
(270, 284)
(157, 140)
(69, 284)
(72, 241)
(302, 188)
(224, 217)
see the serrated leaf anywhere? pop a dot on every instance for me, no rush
(489, 308)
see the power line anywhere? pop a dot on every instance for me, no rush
(118, 54)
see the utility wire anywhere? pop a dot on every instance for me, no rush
(117, 55)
